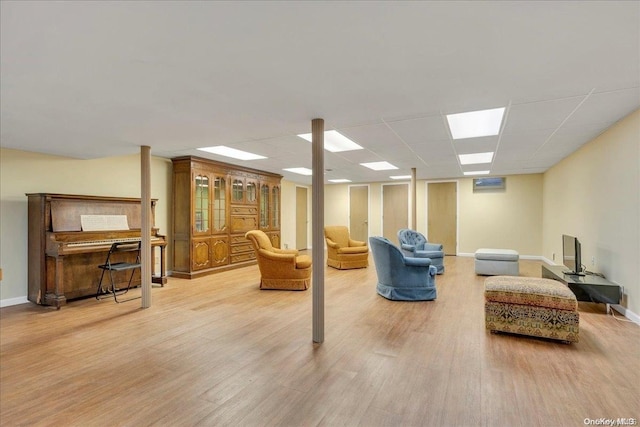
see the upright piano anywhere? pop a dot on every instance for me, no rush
(63, 259)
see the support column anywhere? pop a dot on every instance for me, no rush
(317, 241)
(414, 205)
(145, 225)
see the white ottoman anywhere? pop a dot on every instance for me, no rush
(497, 262)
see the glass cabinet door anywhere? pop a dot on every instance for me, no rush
(252, 192)
(219, 204)
(264, 206)
(201, 204)
(237, 191)
(275, 212)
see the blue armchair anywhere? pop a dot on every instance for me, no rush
(414, 244)
(401, 278)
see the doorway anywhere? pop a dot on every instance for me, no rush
(395, 209)
(442, 215)
(359, 212)
(302, 220)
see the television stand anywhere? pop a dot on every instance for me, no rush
(590, 288)
(573, 273)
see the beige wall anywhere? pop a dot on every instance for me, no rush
(509, 218)
(594, 194)
(24, 172)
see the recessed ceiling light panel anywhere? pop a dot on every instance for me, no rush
(301, 171)
(232, 152)
(476, 173)
(334, 141)
(339, 181)
(400, 177)
(379, 166)
(476, 158)
(475, 124)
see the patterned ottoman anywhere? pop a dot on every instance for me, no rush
(531, 306)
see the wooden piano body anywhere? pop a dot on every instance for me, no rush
(63, 259)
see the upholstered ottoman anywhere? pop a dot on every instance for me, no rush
(531, 306)
(495, 262)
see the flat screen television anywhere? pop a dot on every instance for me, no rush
(571, 256)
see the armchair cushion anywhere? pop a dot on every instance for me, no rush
(303, 261)
(432, 247)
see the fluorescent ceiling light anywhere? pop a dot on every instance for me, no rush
(340, 180)
(400, 177)
(379, 166)
(477, 173)
(335, 141)
(301, 171)
(232, 152)
(475, 124)
(475, 158)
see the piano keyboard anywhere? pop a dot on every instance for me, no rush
(108, 241)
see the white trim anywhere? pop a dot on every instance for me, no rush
(532, 257)
(528, 257)
(626, 313)
(13, 301)
(548, 261)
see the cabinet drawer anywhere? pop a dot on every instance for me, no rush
(245, 247)
(239, 239)
(248, 256)
(244, 210)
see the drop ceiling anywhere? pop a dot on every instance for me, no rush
(99, 79)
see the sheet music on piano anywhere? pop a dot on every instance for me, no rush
(104, 222)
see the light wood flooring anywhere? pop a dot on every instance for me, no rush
(217, 351)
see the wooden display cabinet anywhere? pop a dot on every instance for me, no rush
(215, 204)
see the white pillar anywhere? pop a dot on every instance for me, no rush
(145, 226)
(317, 241)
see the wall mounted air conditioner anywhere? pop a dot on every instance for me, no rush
(489, 183)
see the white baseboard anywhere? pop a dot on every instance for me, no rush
(13, 301)
(626, 313)
(532, 257)
(547, 261)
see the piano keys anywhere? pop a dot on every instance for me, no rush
(64, 259)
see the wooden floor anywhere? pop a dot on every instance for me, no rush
(218, 351)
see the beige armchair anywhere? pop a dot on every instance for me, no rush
(280, 268)
(343, 252)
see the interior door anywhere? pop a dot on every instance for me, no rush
(301, 218)
(395, 210)
(442, 208)
(359, 212)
